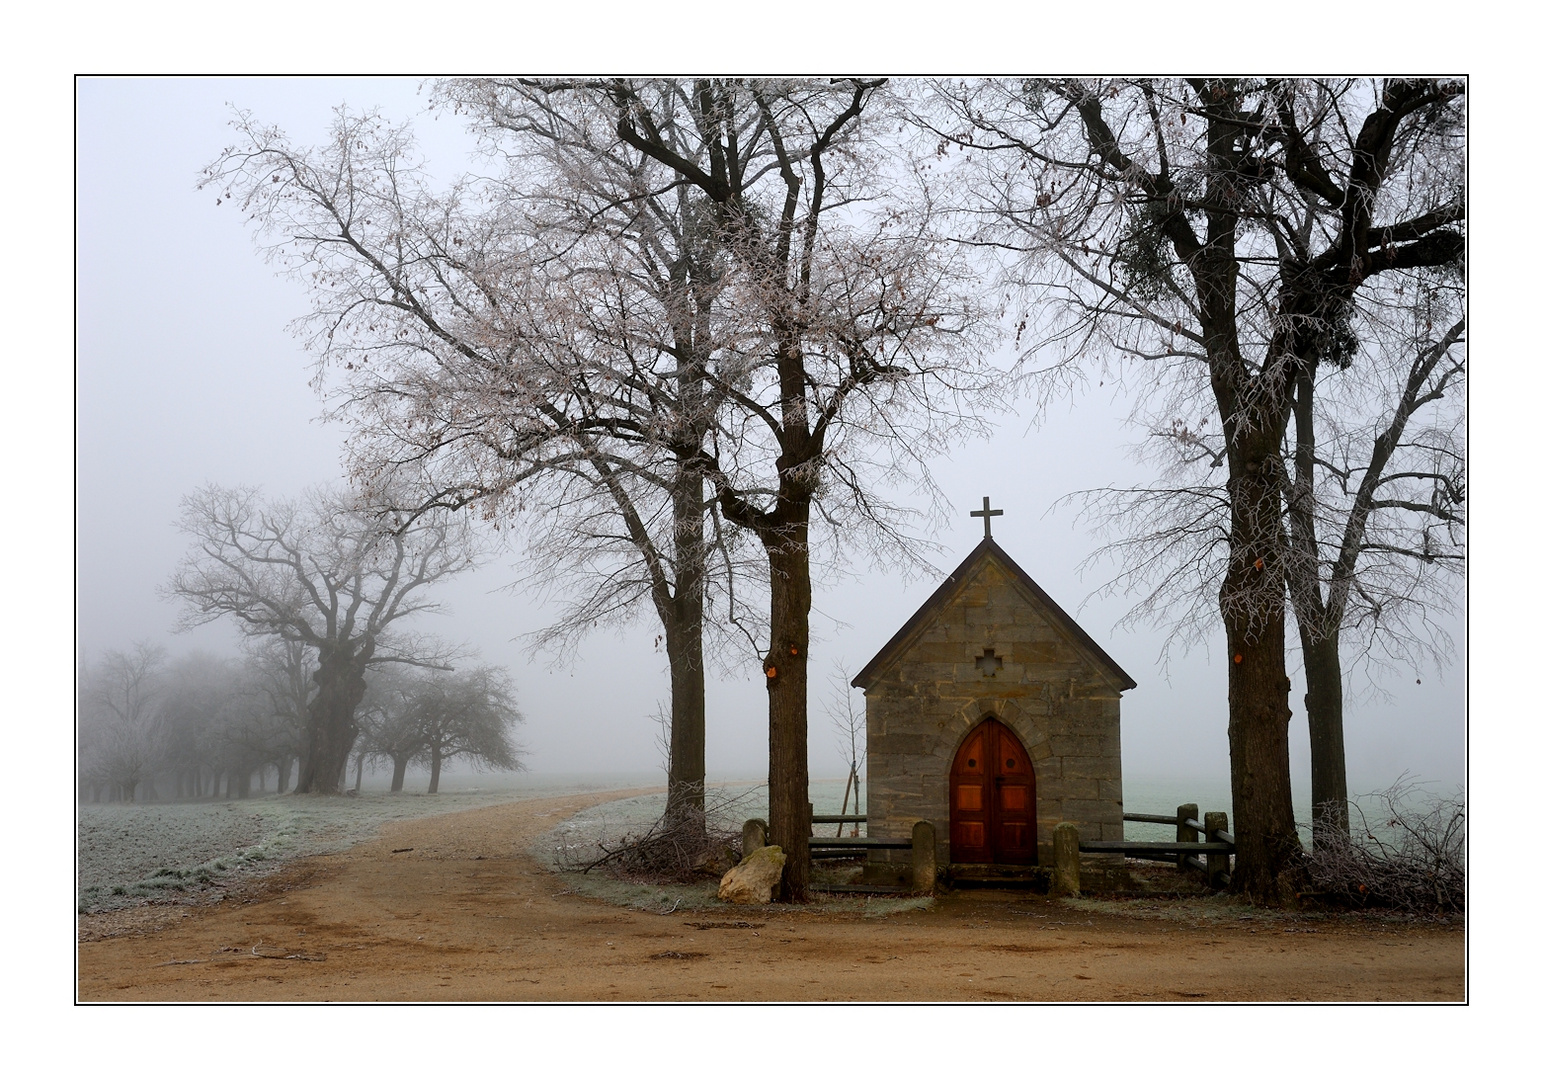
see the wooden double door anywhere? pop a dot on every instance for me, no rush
(991, 815)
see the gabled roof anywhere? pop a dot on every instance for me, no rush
(988, 549)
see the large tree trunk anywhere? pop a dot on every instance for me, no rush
(787, 687)
(686, 798)
(398, 773)
(435, 761)
(1253, 605)
(330, 726)
(284, 763)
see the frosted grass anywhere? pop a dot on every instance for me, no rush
(127, 854)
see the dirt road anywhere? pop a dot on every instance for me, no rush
(465, 915)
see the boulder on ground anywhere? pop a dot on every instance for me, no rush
(755, 879)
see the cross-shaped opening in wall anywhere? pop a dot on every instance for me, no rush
(989, 663)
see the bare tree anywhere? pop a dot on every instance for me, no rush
(1375, 512)
(121, 732)
(197, 708)
(389, 729)
(468, 714)
(1216, 232)
(282, 671)
(325, 574)
(855, 355)
(851, 737)
(532, 340)
(670, 324)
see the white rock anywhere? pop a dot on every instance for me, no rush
(755, 879)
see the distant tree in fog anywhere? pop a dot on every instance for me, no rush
(468, 714)
(198, 687)
(389, 728)
(122, 733)
(323, 573)
(281, 671)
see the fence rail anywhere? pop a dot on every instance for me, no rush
(1186, 849)
(922, 846)
(1212, 856)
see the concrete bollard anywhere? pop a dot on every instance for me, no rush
(752, 837)
(1186, 834)
(1216, 862)
(1066, 878)
(924, 857)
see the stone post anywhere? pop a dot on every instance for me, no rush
(1216, 862)
(1186, 834)
(924, 857)
(752, 837)
(1066, 878)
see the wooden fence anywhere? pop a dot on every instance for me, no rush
(1211, 856)
(922, 845)
(1185, 849)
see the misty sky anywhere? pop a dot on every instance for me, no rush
(187, 375)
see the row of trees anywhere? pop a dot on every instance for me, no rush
(153, 728)
(1284, 261)
(701, 327)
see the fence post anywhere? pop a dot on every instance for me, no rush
(752, 837)
(1066, 878)
(1217, 863)
(924, 857)
(1185, 834)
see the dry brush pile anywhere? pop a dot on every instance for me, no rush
(1395, 855)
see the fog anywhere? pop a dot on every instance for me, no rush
(187, 375)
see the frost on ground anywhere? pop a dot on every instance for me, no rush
(577, 842)
(128, 855)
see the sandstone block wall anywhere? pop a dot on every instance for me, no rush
(1062, 705)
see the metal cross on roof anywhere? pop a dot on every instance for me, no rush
(986, 513)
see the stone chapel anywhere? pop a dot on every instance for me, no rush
(993, 715)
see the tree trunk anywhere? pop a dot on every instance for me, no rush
(284, 763)
(398, 773)
(359, 773)
(435, 761)
(1253, 606)
(1325, 704)
(687, 782)
(1317, 630)
(330, 726)
(787, 687)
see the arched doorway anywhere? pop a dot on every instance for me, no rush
(991, 815)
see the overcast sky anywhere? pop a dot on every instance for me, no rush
(186, 375)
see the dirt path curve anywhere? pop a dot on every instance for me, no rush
(464, 915)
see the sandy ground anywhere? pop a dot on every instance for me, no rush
(466, 915)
